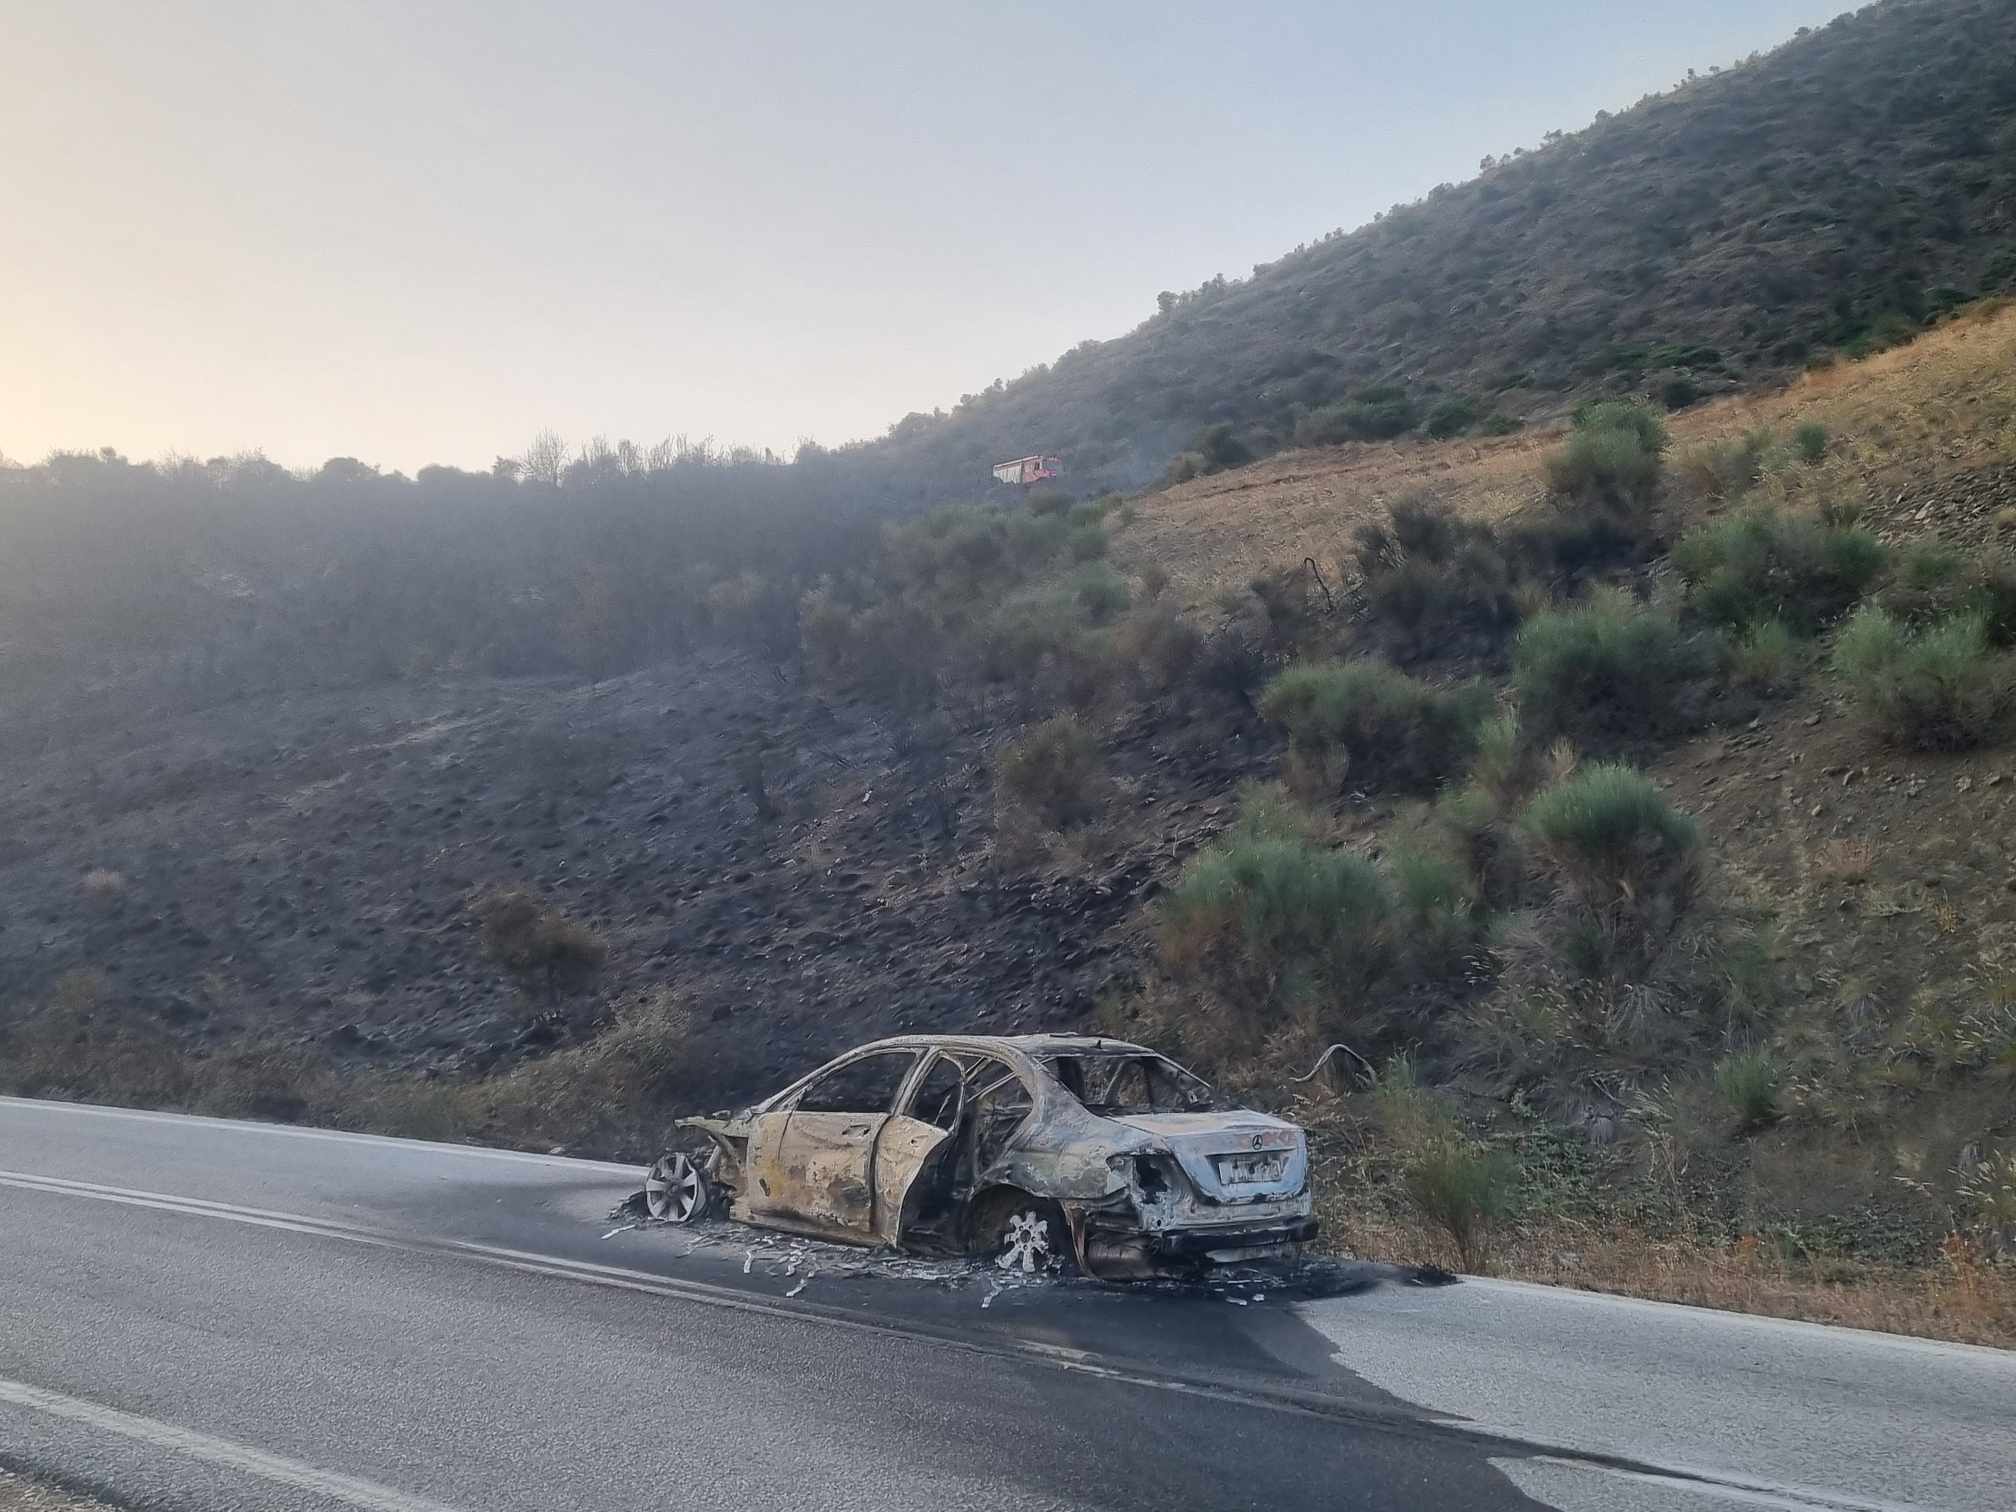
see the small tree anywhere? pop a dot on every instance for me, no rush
(1054, 772)
(548, 954)
(1462, 1190)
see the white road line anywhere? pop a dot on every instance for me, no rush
(1747, 1492)
(216, 1451)
(1688, 1484)
(292, 1131)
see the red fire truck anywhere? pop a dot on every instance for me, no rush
(1027, 470)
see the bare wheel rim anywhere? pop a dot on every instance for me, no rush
(1025, 1243)
(674, 1189)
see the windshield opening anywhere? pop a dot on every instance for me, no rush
(1132, 1083)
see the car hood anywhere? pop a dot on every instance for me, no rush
(1205, 1145)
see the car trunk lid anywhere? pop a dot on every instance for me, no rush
(1231, 1157)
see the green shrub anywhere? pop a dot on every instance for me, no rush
(1433, 896)
(890, 649)
(1462, 1190)
(1427, 884)
(1926, 565)
(1099, 592)
(1563, 546)
(1043, 644)
(1418, 527)
(1603, 669)
(1501, 425)
(1991, 593)
(1764, 656)
(1233, 664)
(1047, 501)
(1810, 442)
(1162, 645)
(1276, 924)
(1220, 447)
(1500, 768)
(1727, 469)
(953, 556)
(1088, 543)
(1640, 420)
(1932, 582)
(1764, 565)
(1359, 419)
(1611, 834)
(1678, 392)
(1941, 688)
(1054, 771)
(1607, 467)
(1435, 580)
(1388, 726)
(1748, 1082)
(1451, 417)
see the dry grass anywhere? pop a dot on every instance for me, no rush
(1844, 861)
(1966, 1298)
(1945, 403)
(611, 1094)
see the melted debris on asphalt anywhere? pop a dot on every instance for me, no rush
(801, 1260)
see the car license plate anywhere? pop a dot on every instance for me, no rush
(1245, 1170)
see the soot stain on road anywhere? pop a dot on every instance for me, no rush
(802, 1258)
(1234, 1325)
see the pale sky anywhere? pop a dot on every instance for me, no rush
(419, 232)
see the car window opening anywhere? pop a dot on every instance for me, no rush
(1134, 1083)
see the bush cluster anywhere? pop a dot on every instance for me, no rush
(1376, 415)
(1939, 688)
(1375, 721)
(1605, 670)
(1763, 565)
(1724, 470)
(1614, 460)
(1932, 582)
(1274, 929)
(1436, 583)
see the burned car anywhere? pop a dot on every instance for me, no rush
(1036, 1150)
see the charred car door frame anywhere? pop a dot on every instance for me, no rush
(814, 1169)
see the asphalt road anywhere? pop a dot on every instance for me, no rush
(204, 1315)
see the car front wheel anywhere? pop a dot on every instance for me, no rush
(676, 1190)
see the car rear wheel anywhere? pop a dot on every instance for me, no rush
(1025, 1234)
(676, 1190)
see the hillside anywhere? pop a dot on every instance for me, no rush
(1831, 195)
(1022, 754)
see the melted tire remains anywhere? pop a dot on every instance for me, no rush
(1029, 1237)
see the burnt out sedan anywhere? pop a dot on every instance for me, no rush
(1039, 1151)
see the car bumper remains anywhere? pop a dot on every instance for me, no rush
(1127, 1255)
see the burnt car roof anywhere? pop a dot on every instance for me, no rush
(1027, 1044)
(1025, 1049)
